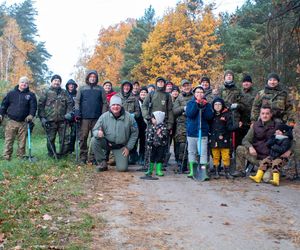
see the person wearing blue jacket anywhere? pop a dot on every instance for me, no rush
(193, 108)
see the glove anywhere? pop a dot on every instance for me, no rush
(201, 103)
(29, 118)
(233, 106)
(184, 108)
(69, 117)
(44, 122)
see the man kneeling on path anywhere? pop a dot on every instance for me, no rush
(254, 147)
(115, 130)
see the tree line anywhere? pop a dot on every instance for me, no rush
(190, 41)
(20, 51)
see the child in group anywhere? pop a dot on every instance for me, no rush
(157, 140)
(221, 127)
(279, 143)
(198, 104)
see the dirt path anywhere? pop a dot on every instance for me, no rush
(178, 213)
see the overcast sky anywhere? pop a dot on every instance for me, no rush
(65, 24)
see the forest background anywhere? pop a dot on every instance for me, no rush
(188, 41)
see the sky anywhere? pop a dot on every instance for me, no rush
(64, 25)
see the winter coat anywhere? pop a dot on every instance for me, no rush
(90, 101)
(221, 127)
(208, 95)
(160, 101)
(248, 98)
(193, 115)
(122, 130)
(279, 146)
(73, 93)
(130, 104)
(258, 136)
(19, 104)
(53, 104)
(180, 116)
(279, 101)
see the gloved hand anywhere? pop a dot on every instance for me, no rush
(44, 122)
(184, 108)
(69, 116)
(234, 106)
(29, 118)
(201, 103)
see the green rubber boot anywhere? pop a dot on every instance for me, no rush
(158, 169)
(150, 170)
(191, 174)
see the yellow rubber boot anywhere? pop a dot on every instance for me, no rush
(275, 180)
(259, 175)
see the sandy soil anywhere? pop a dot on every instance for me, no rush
(175, 212)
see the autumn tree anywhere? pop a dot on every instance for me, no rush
(13, 51)
(133, 44)
(182, 45)
(108, 58)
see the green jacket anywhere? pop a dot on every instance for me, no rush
(248, 98)
(121, 130)
(279, 101)
(160, 101)
(131, 104)
(54, 104)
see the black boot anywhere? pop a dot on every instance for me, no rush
(216, 173)
(227, 173)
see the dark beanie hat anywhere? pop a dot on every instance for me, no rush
(107, 81)
(56, 77)
(274, 75)
(219, 99)
(175, 88)
(160, 79)
(169, 83)
(205, 78)
(144, 88)
(198, 87)
(247, 78)
(228, 72)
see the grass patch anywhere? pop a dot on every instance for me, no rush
(38, 202)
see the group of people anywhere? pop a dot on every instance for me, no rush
(138, 124)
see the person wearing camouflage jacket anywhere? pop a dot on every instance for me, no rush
(130, 104)
(275, 95)
(233, 98)
(53, 105)
(179, 108)
(208, 92)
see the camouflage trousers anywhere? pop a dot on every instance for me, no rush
(52, 130)
(275, 164)
(15, 129)
(243, 155)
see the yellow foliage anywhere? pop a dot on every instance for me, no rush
(108, 56)
(181, 46)
(13, 53)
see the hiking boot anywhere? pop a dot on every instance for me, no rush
(102, 167)
(238, 173)
(216, 174)
(227, 174)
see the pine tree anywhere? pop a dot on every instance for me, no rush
(133, 44)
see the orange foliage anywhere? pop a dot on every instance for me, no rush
(108, 56)
(181, 46)
(13, 53)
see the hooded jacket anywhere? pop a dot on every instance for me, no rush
(221, 127)
(90, 101)
(129, 101)
(19, 104)
(73, 93)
